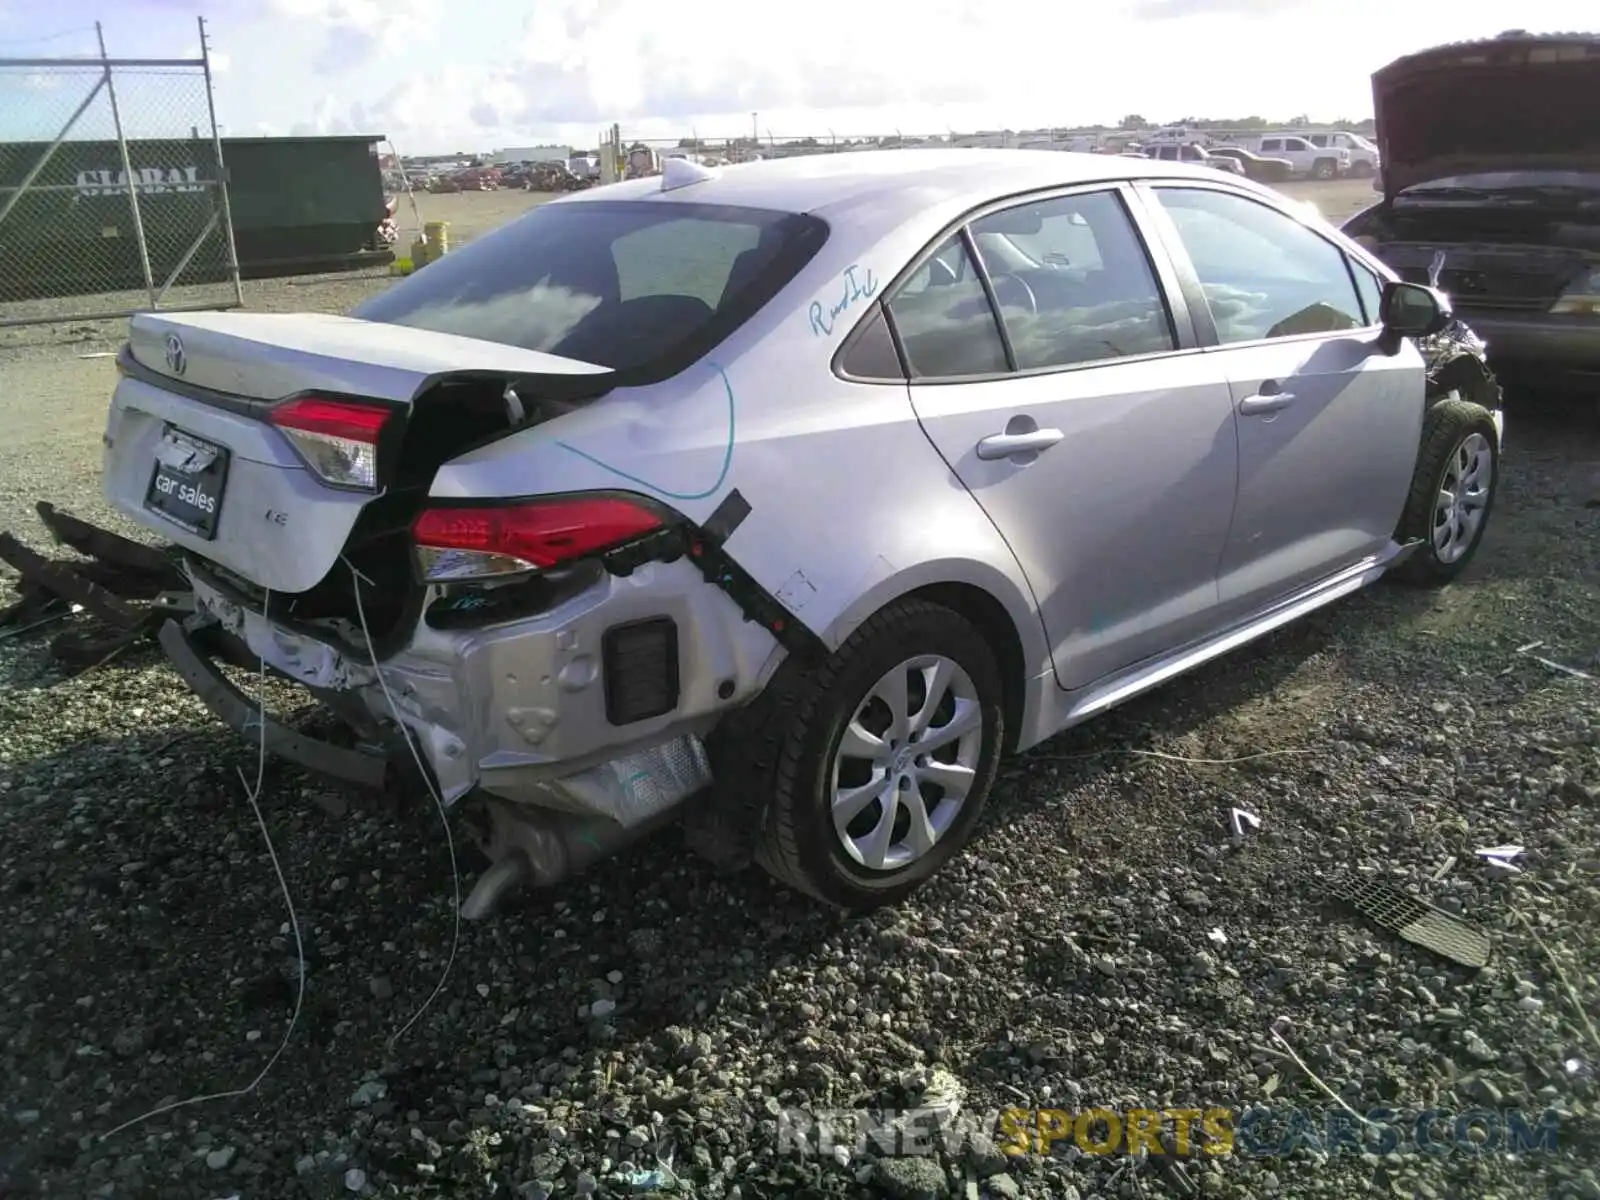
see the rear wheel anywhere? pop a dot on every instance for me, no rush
(877, 764)
(1452, 492)
(1361, 169)
(1324, 169)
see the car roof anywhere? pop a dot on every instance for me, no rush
(908, 180)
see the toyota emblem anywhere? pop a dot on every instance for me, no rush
(176, 361)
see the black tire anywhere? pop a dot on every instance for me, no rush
(1324, 168)
(774, 760)
(1449, 424)
(1361, 169)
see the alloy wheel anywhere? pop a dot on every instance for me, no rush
(906, 762)
(1463, 497)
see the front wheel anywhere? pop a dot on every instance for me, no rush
(885, 761)
(1452, 492)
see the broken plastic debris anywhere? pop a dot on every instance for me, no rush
(1217, 936)
(72, 611)
(1499, 858)
(644, 1181)
(1239, 819)
(1504, 851)
(943, 1091)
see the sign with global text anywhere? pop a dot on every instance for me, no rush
(149, 180)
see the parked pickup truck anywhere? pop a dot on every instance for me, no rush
(1315, 162)
(1365, 161)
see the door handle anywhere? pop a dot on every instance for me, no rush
(1265, 402)
(1004, 445)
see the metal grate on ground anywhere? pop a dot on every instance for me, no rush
(1414, 920)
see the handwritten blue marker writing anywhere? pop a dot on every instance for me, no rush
(862, 287)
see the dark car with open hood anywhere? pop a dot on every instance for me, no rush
(1491, 179)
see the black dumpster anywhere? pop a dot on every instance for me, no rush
(300, 205)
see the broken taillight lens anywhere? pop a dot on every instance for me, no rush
(456, 545)
(337, 438)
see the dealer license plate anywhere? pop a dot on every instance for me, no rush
(187, 484)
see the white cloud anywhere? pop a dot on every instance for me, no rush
(871, 65)
(471, 74)
(355, 30)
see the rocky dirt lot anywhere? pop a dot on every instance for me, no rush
(1103, 944)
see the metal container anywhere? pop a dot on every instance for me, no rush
(299, 205)
(437, 235)
(302, 205)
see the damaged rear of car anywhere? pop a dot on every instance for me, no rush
(354, 493)
(1491, 158)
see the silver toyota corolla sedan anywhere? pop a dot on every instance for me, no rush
(786, 497)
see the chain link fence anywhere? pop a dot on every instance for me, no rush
(113, 197)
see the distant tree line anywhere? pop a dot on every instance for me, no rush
(1133, 123)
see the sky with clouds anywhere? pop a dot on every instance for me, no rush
(442, 75)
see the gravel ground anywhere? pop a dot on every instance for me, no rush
(655, 1016)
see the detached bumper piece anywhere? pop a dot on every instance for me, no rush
(243, 715)
(128, 588)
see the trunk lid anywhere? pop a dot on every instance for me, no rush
(1516, 102)
(267, 356)
(191, 454)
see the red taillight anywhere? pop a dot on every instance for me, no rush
(456, 544)
(337, 438)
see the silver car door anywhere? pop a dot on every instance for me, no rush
(1096, 437)
(1328, 421)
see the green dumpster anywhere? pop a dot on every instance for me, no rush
(305, 204)
(299, 205)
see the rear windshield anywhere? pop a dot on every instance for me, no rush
(643, 287)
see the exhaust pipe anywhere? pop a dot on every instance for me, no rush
(540, 847)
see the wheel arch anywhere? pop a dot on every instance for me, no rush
(997, 628)
(1003, 611)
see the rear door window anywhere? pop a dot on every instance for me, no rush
(645, 289)
(942, 314)
(1087, 295)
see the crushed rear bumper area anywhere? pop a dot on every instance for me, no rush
(128, 588)
(244, 716)
(548, 779)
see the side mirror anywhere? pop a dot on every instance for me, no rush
(1410, 310)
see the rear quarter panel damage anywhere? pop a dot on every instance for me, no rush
(850, 504)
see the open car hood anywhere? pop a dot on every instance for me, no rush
(1512, 103)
